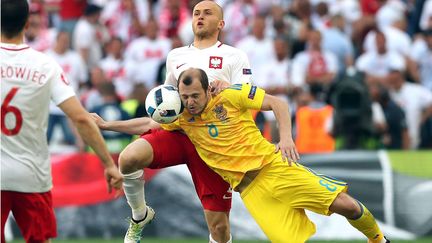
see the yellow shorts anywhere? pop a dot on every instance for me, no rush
(278, 196)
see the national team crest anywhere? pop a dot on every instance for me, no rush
(221, 112)
(215, 62)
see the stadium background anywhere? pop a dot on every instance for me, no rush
(396, 186)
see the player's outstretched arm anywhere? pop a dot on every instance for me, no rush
(136, 126)
(283, 117)
(90, 133)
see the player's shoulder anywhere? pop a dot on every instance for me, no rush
(40, 58)
(231, 49)
(235, 89)
(179, 50)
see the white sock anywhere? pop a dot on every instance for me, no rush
(230, 239)
(133, 186)
(211, 240)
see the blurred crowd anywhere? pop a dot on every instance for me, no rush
(357, 73)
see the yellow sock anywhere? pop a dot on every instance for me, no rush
(367, 225)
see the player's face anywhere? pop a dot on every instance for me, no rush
(206, 20)
(194, 97)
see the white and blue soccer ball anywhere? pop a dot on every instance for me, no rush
(163, 104)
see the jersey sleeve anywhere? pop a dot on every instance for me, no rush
(60, 86)
(245, 96)
(171, 126)
(170, 77)
(241, 72)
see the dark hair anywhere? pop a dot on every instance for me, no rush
(187, 76)
(14, 15)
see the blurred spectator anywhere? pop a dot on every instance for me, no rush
(314, 65)
(76, 74)
(69, 13)
(421, 54)
(378, 115)
(350, 10)
(277, 26)
(274, 79)
(395, 134)
(376, 65)
(299, 22)
(135, 106)
(70, 61)
(145, 54)
(37, 35)
(114, 67)
(426, 16)
(257, 46)
(173, 16)
(110, 110)
(239, 16)
(90, 35)
(176, 42)
(92, 98)
(337, 42)
(321, 17)
(397, 39)
(414, 99)
(313, 124)
(125, 18)
(391, 11)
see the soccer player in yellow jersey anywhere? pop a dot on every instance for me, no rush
(274, 187)
(275, 192)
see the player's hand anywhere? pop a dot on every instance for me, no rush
(100, 122)
(288, 150)
(218, 86)
(114, 179)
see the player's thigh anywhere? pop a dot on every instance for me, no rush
(168, 148)
(215, 193)
(302, 188)
(278, 220)
(137, 155)
(37, 207)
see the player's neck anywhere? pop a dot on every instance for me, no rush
(204, 43)
(17, 40)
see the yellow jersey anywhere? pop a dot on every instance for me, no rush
(225, 134)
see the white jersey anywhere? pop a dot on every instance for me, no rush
(143, 58)
(29, 80)
(220, 62)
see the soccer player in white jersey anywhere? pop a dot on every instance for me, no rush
(160, 149)
(29, 80)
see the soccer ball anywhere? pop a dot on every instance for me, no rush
(163, 104)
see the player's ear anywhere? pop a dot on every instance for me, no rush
(221, 24)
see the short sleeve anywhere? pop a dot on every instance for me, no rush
(245, 96)
(241, 73)
(60, 86)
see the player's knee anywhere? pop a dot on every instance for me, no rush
(220, 231)
(351, 206)
(136, 156)
(130, 161)
(346, 206)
